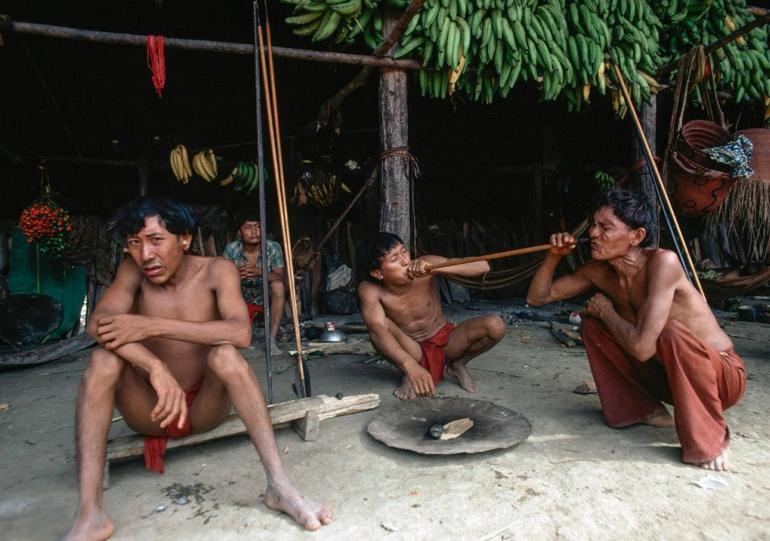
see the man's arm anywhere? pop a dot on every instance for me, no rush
(377, 322)
(421, 267)
(544, 289)
(118, 300)
(640, 339)
(232, 328)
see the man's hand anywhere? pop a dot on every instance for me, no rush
(249, 270)
(421, 381)
(562, 244)
(115, 331)
(171, 399)
(418, 268)
(597, 306)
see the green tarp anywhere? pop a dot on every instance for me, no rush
(31, 271)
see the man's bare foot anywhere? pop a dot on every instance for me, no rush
(94, 526)
(660, 418)
(720, 463)
(405, 390)
(460, 372)
(309, 514)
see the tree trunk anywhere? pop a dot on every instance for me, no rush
(644, 181)
(394, 133)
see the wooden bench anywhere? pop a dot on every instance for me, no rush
(303, 414)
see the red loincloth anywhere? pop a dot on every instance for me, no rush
(255, 309)
(699, 381)
(155, 446)
(433, 356)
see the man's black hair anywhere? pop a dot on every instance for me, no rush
(176, 217)
(371, 249)
(632, 208)
(245, 215)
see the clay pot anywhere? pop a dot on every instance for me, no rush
(700, 184)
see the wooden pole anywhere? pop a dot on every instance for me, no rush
(495, 255)
(661, 187)
(95, 36)
(394, 133)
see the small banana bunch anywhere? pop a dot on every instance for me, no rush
(320, 19)
(205, 164)
(180, 164)
(317, 189)
(244, 178)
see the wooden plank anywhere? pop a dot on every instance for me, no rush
(324, 406)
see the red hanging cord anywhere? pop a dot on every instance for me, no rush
(156, 61)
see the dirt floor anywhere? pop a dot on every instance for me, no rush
(574, 478)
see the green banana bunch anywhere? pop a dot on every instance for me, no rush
(743, 66)
(320, 19)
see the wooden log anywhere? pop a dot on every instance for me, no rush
(94, 36)
(324, 406)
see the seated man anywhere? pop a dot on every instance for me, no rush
(401, 308)
(169, 327)
(246, 253)
(648, 333)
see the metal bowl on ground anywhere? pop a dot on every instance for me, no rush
(332, 335)
(406, 425)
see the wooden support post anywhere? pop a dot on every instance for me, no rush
(395, 206)
(645, 180)
(308, 426)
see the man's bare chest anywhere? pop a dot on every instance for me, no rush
(194, 302)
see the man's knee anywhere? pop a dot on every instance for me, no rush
(104, 366)
(495, 328)
(226, 362)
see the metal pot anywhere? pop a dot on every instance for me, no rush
(332, 335)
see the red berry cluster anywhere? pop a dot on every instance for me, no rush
(48, 223)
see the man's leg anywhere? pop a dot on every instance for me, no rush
(412, 347)
(470, 339)
(703, 383)
(107, 377)
(238, 381)
(626, 387)
(277, 304)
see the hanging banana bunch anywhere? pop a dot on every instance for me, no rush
(204, 163)
(484, 48)
(180, 164)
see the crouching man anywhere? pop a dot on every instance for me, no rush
(401, 308)
(169, 327)
(649, 334)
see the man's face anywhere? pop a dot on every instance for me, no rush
(156, 251)
(393, 266)
(251, 232)
(610, 236)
